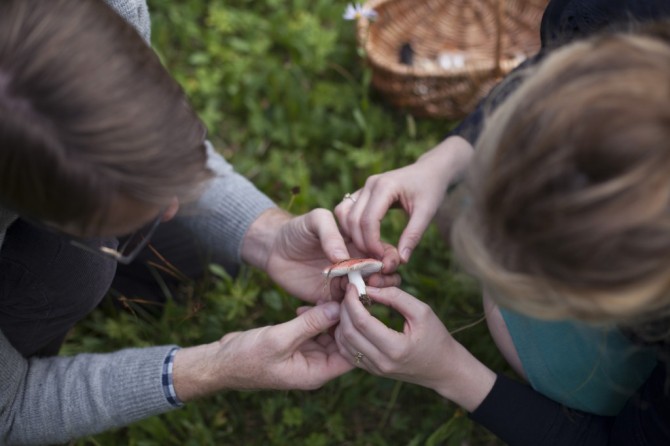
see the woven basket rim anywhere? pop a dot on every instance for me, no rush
(426, 86)
(473, 68)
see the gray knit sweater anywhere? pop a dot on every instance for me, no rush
(53, 400)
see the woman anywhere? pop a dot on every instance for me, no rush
(565, 222)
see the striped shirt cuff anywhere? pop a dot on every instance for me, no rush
(168, 386)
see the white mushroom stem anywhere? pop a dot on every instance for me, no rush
(355, 269)
(356, 278)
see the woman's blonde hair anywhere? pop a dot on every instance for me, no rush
(568, 196)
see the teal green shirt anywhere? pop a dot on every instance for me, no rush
(594, 369)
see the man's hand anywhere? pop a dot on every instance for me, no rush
(294, 251)
(298, 354)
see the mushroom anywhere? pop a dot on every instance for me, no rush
(356, 269)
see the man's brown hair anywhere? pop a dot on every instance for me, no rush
(87, 113)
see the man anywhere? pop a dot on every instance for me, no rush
(100, 153)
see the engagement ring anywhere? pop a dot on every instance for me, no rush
(349, 196)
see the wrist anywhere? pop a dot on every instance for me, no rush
(167, 379)
(260, 237)
(452, 156)
(468, 382)
(194, 372)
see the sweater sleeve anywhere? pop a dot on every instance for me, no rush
(136, 13)
(220, 218)
(53, 400)
(521, 416)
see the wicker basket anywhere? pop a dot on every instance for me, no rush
(437, 58)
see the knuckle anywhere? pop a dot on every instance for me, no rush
(383, 182)
(424, 310)
(396, 356)
(347, 333)
(369, 222)
(386, 367)
(321, 213)
(372, 180)
(399, 354)
(359, 321)
(351, 220)
(312, 323)
(412, 236)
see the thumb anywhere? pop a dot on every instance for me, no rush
(404, 303)
(411, 236)
(311, 323)
(324, 225)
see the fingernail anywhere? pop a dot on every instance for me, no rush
(340, 254)
(372, 289)
(332, 310)
(406, 253)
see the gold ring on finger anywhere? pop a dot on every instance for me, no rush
(349, 196)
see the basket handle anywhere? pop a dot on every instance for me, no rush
(500, 12)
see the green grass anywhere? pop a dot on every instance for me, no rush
(287, 100)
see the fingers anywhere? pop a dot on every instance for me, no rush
(338, 285)
(390, 259)
(307, 334)
(349, 213)
(361, 329)
(353, 346)
(323, 224)
(309, 324)
(384, 280)
(325, 341)
(361, 214)
(412, 309)
(418, 188)
(302, 309)
(411, 235)
(368, 215)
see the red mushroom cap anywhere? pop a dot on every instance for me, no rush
(364, 266)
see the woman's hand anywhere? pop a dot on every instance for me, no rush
(424, 353)
(418, 188)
